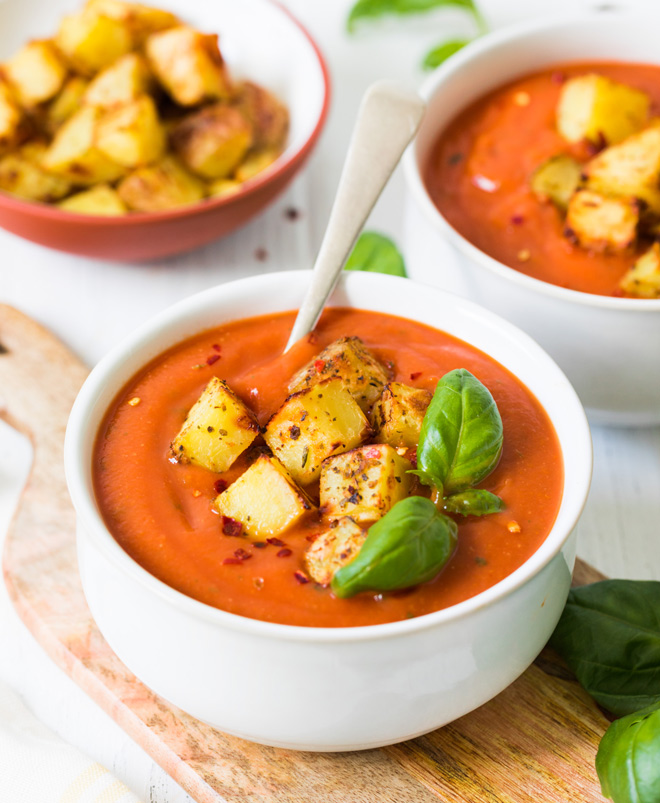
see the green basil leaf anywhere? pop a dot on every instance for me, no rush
(408, 546)
(473, 502)
(609, 635)
(461, 438)
(628, 758)
(375, 253)
(372, 9)
(438, 55)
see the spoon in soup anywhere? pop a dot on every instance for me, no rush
(388, 119)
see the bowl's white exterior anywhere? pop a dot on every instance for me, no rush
(608, 347)
(325, 688)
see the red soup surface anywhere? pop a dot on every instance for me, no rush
(480, 168)
(160, 511)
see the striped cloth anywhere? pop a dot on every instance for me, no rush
(36, 766)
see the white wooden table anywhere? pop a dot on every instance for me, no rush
(91, 305)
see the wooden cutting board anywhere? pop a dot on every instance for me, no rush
(535, 742)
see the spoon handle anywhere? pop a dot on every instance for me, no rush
(388, 119)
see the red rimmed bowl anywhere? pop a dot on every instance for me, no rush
(262, 42)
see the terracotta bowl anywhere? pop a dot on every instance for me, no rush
(260, 41)
(312, 688)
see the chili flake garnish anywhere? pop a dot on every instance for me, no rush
(232, 562)
(241, 554)
(259, 544)
(284, 553)
(220, 485)
(275, 542)
(312, 338)
(216, 347)
(212, 359)
(372, 453)
(319, 365)
(301, 577)
(231, 526)
(415, 375)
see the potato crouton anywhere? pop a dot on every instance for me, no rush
(99, 200)
(599, 223)
(163, 185)
(333, 549)
(21, 174)
(37, 72)
(397, 416)
(132, 135)
(643, 279)
(556, 180)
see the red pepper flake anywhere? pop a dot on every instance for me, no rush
(312, 537)
(231, 526)
(312, 338)
(232, 562)
(517, 220)
(216, 347)
(275, 542)
(220, 485)
(319, 365)
(213, 358)
(373, 453)
(558, 77)
(241, 554)
(415, 375)
(301, 577)
(259, 544)
(261, 255)
(284, 553)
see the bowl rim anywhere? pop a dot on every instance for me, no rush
(252, 186)
(491, 43)
(94, 528)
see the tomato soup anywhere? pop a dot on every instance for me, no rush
(160, 511)
(480, 169)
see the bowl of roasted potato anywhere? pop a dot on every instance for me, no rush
(370, 534)
(538, 164)
(131, 132)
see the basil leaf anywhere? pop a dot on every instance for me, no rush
(628, 758)
(461, 438)
(408, 546)
(609, 635)
(375, 253)
(438, 55)
(473, 502)
(372, 9)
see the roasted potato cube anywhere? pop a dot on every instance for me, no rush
(132, 135)
(643, 279)
(37, 72)
(313, 424)
(254, 164)
(92, 41)
(333, 549)
(66, 104)
(123, 81)
(364, 483)
(73, 153)
(100, 200)
(140, 20)
(350, 360)
(268, 117)
(14, 127)
(631, 168)
(599, 223)
(397, 416)
(189, 65)
(596, 108)
(212, 142)
(556, 180)
(21, 174)
(223, 186)
(265, 499)
(217, 429)
(164, 185)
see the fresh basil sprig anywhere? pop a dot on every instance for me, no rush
(408, 546)
(473, 502)
(609, 635)
(628, 758)
(375, 253)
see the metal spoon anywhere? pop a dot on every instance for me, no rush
(388, 119)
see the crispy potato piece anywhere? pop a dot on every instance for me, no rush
(66, 103)
(100, 200)
(223, 186)
(643, 279)
(364, 483)
(631, 168)
(333, 549)
(313, 424)
(73, 153)
(255, 163)
(556, 180)
(397, 416)
(123, 81)
(92, 41)
(164, 185)
(14, 126)
(596, 108)
(189, 65)
(218, 428)
(140, 20)
(212, 142)
(350, 360)
(37, 72)
(265, 499)
(599, 223)
(131, 135)
(268, 117)
(21, 174)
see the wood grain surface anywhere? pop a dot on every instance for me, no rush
(534, 742)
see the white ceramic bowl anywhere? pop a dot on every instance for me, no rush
(608, 347)
(326, 688)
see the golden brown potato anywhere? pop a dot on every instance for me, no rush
(164, 185)
(37, 72)
(189, 65)
(556, 180)
(92, 41)
(643, 279)
(123, 81)
(397, 416)
(100, 200)
(131, 135)
(213, 141)
(66, 103)
(600, 223)
(14, 126)
(254, 163)
(268, 117)
(333, 549)
(140, 20)
(223, 186)
(21, 174)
